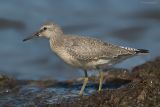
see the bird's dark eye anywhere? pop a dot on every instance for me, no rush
(44, 28)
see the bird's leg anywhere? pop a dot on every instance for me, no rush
(84, 83)
(101, 74)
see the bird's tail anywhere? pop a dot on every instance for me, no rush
(142, 51)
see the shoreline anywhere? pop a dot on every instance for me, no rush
(141, 89)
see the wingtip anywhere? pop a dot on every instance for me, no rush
(142, 51)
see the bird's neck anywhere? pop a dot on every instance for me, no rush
(56, 40)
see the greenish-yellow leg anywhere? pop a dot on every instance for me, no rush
(84, 83)
(100, 80)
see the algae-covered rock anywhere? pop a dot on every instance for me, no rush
(6, 82)
(139, 88)
(141, 92)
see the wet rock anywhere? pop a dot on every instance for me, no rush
(6, 82)
(139, 88)
(143, 93)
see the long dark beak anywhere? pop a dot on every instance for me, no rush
(36, 35)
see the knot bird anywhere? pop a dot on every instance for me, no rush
(85, 53)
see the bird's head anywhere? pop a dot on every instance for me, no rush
(47, 30)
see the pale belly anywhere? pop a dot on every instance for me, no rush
(101, 63)
(83, 64)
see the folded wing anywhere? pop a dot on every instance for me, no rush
(83, 48)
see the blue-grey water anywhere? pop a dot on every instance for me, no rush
(134, 23)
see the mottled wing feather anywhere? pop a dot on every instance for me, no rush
(85, 48)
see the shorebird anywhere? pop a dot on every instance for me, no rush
(83, 52)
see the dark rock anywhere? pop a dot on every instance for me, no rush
(142, 90)
(144, 93)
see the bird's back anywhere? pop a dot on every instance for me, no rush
(87, 50)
